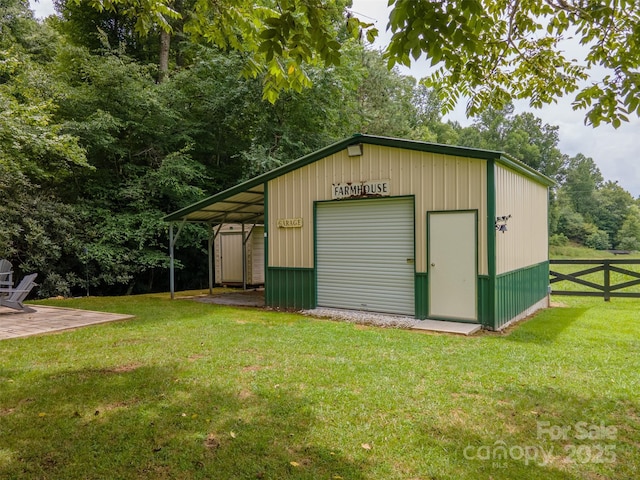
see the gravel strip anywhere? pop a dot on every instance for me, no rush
(363, 318)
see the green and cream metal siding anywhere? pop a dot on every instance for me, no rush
(398, 226)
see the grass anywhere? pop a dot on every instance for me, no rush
(574, 251)
(191, 390)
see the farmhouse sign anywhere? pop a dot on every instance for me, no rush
(377, 188)
(290, 222)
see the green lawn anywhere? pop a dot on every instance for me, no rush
(578, 252)
(190, 390)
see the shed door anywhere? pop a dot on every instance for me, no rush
(365, 255)
(231, 257)
(452, 265)
(257, 255)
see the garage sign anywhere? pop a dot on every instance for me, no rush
(377, 188)
(289, 223)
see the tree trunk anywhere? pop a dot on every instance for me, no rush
(163, 64)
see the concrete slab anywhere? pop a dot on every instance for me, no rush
(446, 327)
(255, 298)
(395, 321)
(45, 319)
(249, 298)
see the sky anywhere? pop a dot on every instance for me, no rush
(615, 151)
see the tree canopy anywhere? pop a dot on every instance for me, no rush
(489, 51)
(495, 51)
(95, 149)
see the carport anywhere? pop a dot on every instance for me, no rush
(243, 204)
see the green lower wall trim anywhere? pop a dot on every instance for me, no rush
(422, 295)
(290, 288)
(515, 292)
(484, 312)
(518, 290)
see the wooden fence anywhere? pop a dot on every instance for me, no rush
(604, 289)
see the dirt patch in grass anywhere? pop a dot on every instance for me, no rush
(457, 416)
(5, 411)
(114, 406)
(245, 394)
(473, 396)
(557, 305)
(129, 367)
(252, 368)
(212, 442)
(359, 326)
(127, 342)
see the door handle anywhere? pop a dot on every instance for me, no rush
(433, 264)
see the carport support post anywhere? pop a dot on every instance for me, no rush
(172, 242)
(210, 252)
(244, 260)
(171, 269)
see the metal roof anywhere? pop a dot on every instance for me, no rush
(246, 206)
(244, 203)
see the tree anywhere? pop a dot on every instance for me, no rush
(612, 207)
(38, 158)
(495, 51)
(583, 178)
(523, 136)
(385, 99)
(629, 233)
(488, 50)
(277, 39)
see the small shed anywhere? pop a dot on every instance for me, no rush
(397, 226)
(229, 248)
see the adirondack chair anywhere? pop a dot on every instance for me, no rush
(6, 274)
(17, 295)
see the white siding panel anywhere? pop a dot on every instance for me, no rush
(526, 240)
(365, 255)
(257, 258)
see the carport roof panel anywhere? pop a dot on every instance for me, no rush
(246, 206)
(220, 208)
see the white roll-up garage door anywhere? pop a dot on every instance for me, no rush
(365, 255)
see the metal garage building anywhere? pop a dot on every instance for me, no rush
(397, 226)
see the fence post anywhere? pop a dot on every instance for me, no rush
(607, 281)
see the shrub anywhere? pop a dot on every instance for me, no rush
(629, 243)
(598, 240)
(558, 240)
(54, 285)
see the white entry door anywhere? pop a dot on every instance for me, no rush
(453, 265)
(365, 255)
